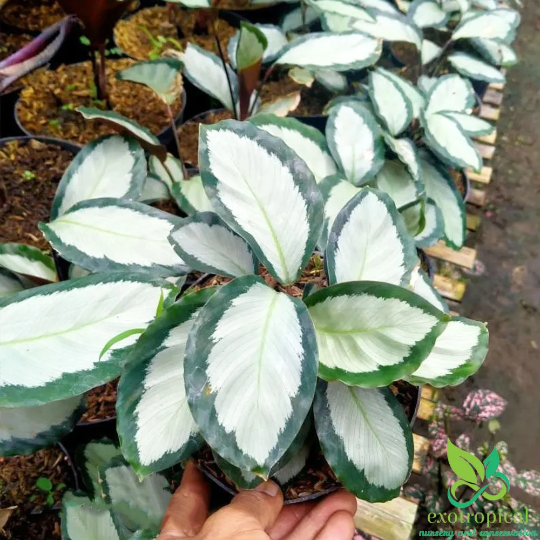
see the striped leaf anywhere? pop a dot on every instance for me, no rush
(458, 353)
(155, 425)
(422, 286)
(326, 50)
(82, 519)
(298, 18)
(471, 67)
(484, 24)
(391, 104)
(370, 334)
(333, 22)
(440, 188)
(389, 27)
(434, 228)
(366, 439)
(205, 70)
(163, 76)
(414, 217)
(264, 192)
(427, 14)
(112, 235)
(355, 142)
(406, 152)
(141, 504)
(336, 192)
(27, 261)
(498, 54)
(448, 140)
(275, 37)
(472, 125)
(190, 196)
(308, 142)
(412, 93)
(368, 242)
(154, 190)
(90, 459)
(430, 51)
(395, 180)
(449, 93)
(250, 372)
(170, 172)
(26, 430)
(206, 243)
(9, 283)
(126, 126)
(111, 166)
(75, 319)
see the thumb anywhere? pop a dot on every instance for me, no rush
(250, 511)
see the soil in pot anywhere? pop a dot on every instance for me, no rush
(47, 103)
(137, 35)
(11, 43)
(460, 181)
(101, 403)
(29, 174)
(18, 478)
(33, 15)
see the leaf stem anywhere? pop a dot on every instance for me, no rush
(441, 57)
(258, 91)
(175, 133)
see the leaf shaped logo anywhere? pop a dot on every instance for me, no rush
(465, 465)
(491, 463)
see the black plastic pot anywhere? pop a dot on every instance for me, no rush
(227, 492)
(426, 263)
(318, 122)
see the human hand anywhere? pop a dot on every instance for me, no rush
(255, 514)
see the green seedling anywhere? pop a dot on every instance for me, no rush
(28, 175)
(46, 486)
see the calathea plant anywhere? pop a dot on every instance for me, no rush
(239, 93)
(255, 359)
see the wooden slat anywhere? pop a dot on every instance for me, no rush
(487, 139)
(487, 151)
(477, 197)
(473, 222)
(483, 177)
(392, 520)
(464, 257)
(497, 86)
(488, 112)
(430, 393)
(421, 447)
(493, 96)
(449, 288)
(426, 408)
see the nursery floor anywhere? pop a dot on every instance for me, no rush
(507, 295)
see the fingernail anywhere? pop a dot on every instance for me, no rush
(268, 487)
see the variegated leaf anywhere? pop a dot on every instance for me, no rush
(104, 235)
(169, 171)
(414, 95)
(366, 439)
(27, 261)
(299, 18)
(441, 189)
(205, 70)
(370, 334)
(368, 242)
(207, 244)
(427, 14)
(391, 104)
(449, 93)
(336, 192)
(9, 283)
(111, 166)
(190, 196)
(325, 50)
(27, 429)
(332, 80)
(308, 142)
(394, 179)
(275, 37)
(472, 125)
(405, 150)
(75, 319)
(484, 24)
(458, 353)
(473, 68)
(355, 142)
(155, 424)
(264, 192)
(414, 217)
(430, 51)
(341, 8)
(422, 286)
(154, 190)
(250, 402)
(434, 228)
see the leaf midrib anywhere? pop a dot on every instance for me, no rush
(263, 340)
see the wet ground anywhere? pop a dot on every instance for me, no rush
(507, 295)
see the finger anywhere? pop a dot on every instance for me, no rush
(250, 511)
(188, 509)
(340, 526)
(314, 521)
(289, 518)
